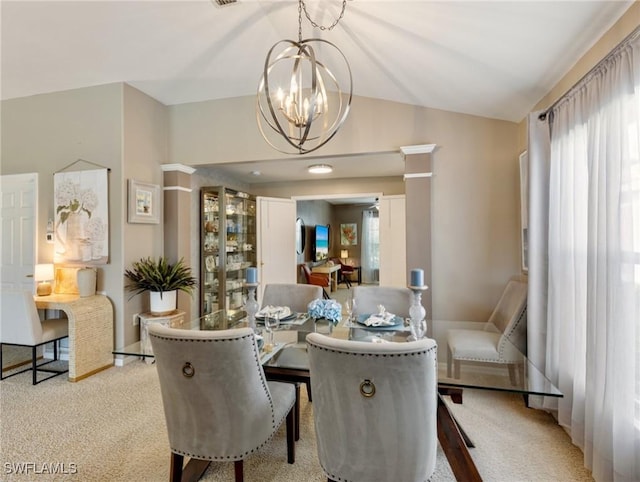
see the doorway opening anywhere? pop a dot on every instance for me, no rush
(354, 233)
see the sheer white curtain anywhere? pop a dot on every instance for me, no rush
(370, 252)
(590, 277)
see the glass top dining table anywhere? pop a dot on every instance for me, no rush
(286, 360)
(289, 351)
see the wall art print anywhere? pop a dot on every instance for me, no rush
(349, 234)
(81, 200)
(144, 202)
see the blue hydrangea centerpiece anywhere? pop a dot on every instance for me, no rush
(327, 309)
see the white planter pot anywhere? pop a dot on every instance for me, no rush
(164, 305)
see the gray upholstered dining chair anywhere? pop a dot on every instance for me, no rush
(375, 408)
(217, 403)
(502, 339)
(396, 300)
(20, 325)
(295, 296)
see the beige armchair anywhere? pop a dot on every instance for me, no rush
(375, 408)
(503, 339)
(295, 296)
(20, 325)
(396, 300)
(217, 403)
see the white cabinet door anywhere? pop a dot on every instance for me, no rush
(393, 246)
(276, 241)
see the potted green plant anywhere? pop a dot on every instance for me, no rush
(162, 280)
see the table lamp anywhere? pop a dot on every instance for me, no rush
(344, 254)
(43, 275)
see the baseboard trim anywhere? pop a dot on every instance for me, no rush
(92, 372)
(121, 360)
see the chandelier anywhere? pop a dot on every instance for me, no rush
(300, 103)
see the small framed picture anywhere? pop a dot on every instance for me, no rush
(349, 234)
(144, 202)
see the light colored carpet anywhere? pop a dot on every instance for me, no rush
(111, 427)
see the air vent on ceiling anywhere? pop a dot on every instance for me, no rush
(225, 2)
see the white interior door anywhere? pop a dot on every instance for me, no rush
(276, 241)
(19, 195)
(393, 244)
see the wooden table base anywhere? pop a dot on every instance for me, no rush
(455, 443)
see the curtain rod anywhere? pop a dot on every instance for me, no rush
(593, 69)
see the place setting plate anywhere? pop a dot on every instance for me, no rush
(285, 314)
(397, 323)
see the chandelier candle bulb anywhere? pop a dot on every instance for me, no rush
(252, 275)
(417, 277)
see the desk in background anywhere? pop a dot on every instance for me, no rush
(90, 331)
(331, 271)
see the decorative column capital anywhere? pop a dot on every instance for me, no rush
(419, 149)
(417, 164)
(178, 167)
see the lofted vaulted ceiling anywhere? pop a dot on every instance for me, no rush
(494, 59)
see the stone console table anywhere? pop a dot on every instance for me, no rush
(90, 331)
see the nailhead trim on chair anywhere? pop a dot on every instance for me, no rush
(523, 314)
(390, 355)
(383, 355)
(274, 425)
(335, 478)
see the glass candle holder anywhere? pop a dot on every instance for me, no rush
(251, 306)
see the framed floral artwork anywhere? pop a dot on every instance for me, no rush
(349, 234)
(144, 202)
(81, 217)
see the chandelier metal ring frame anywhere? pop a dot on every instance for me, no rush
(294, 116)
(314, 107)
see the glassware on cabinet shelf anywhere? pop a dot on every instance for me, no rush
(228, 243)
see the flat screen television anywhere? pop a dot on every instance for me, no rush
(321, 242)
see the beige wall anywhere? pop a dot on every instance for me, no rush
(114, 126)
(46, 133)
(475, 185)
(145, 133)
(225, 130)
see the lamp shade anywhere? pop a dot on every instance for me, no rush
(344, 253)
(43, 272)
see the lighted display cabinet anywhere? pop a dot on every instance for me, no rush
(228, 248)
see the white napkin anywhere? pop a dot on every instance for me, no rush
(381, 319)
(269, 310)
